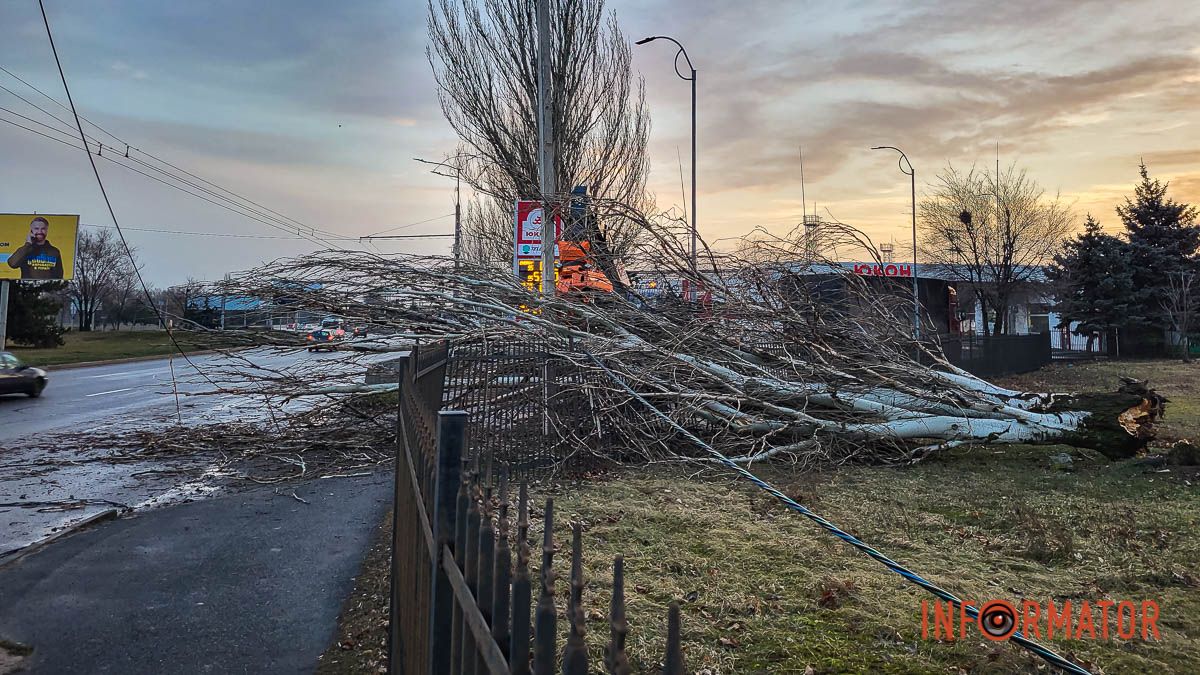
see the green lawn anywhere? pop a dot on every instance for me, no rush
(105, 345)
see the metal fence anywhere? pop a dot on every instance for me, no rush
(458, 605)
(522, 417)
(996, 355)
(1068, 345)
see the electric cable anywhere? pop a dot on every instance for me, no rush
(112, 213)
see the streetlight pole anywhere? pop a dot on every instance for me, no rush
(457, 201)
(912, 174)
(692, 79)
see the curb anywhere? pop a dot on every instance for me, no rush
(19, 554)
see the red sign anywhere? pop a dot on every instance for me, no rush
(889, 270)
(527, 230)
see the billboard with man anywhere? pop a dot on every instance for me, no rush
(37, 246)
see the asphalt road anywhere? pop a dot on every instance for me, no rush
(96, 397)
(35, 472)
(170, 591)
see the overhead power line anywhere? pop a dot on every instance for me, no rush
(238, 200)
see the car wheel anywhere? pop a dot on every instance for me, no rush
(37, 388)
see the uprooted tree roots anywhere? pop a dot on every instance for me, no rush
(785, 355)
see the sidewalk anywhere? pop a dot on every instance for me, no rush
(244, 583)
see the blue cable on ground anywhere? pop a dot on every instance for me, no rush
(971, 611)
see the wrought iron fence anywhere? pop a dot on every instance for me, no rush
(522, 417)
(996, 355)
(458, 605)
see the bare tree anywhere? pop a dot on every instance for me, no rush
(780, 359)
(1179, 302)
(124, 300)
(485, 61)
(991, 232)
(101, 267)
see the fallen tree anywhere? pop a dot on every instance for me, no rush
(784, 354)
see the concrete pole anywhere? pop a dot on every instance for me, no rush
(546, 146)
(695, 232)
(3, 312)
(916, 294)
(457, 217)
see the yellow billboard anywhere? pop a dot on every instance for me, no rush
(37, 246)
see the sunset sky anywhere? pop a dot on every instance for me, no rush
(315, 109)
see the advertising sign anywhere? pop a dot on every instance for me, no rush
(528, 230)
(37, 246)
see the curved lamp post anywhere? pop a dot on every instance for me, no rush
(903, 162)
(690, 78)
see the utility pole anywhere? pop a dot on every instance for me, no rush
(546, 147)
(3, 312)
(224, 291)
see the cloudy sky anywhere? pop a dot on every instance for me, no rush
(314, 110)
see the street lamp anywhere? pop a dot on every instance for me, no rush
(903, 162)
(457, 201)
(692, 79)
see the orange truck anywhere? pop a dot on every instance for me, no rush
(587, 268)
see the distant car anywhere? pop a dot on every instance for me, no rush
(322, 340)
(18, 378)
(360, 331)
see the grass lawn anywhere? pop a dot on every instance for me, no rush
(104, 345)
(767, 591)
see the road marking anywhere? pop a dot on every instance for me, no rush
(128, 372)
(114, 391)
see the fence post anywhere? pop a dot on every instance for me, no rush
(395, 644)
(452, 426)
(673, 664)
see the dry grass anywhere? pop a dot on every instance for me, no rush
(770, 592)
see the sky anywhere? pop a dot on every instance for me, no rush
(315, 110)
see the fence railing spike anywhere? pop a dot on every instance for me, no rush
(502, 595)
(616, 662)
(575, 661)
(518, 654)
(545, 624)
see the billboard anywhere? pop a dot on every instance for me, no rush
(528, 230)
(37, 246)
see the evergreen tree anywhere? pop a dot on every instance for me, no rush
(1095, 279)
(1164, 239)
(33, 313)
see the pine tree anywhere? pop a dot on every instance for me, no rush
(33, 313)
(1164, 239)
(1095, 279)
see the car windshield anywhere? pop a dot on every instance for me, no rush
(9, 361)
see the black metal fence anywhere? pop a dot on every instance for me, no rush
(523, 418)
(996, 355)
(458, 604)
